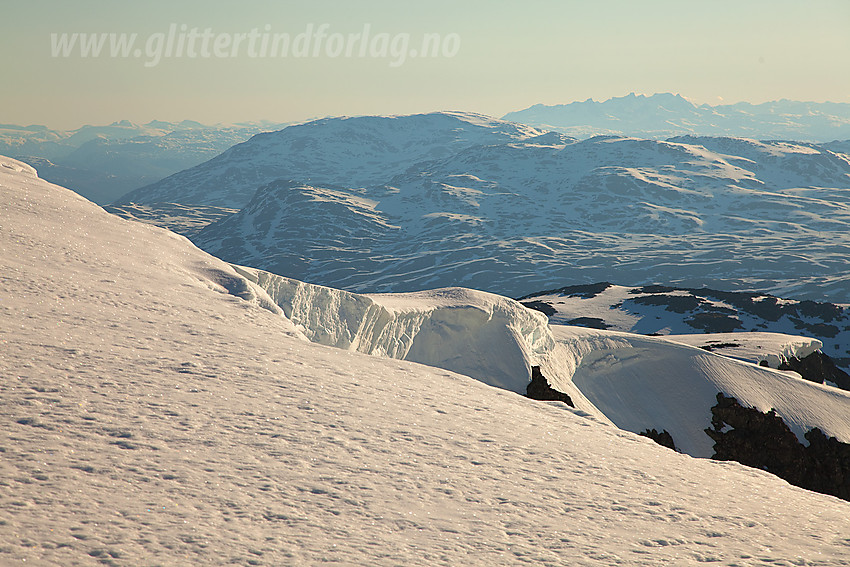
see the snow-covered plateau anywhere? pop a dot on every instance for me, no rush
(160, 406)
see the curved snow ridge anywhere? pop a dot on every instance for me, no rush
(18, 166)
(488, 337)
(757, 347)
(642, 382)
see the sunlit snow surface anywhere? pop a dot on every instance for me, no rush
(158, 408)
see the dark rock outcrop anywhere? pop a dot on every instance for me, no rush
(541, 306)
(584, 291)
(764, 441)
(589, 322)
(819, 368)
(539, 389)
(663, 438)
(713, 322)
(675, 303)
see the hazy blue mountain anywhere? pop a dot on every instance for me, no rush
(664, 115)
(104, 162)
(524, 215)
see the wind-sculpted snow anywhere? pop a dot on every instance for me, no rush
(636, 382)
(154, 411)
(513, 218)
(488, 337)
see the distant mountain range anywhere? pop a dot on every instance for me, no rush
(104, 162)
(513, 210)
(400, 203)
(664, 115)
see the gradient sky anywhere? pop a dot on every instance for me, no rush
(511, 55)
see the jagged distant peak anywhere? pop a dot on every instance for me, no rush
(662, 115)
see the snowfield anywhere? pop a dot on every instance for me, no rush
(158, 407)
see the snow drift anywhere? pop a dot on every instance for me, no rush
(490, 338)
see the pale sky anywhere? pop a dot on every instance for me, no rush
(496, 57)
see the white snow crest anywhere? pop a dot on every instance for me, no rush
(491, 338)
(17, 166)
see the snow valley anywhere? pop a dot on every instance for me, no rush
(163, 406)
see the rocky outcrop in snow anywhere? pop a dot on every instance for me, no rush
(764, 441)
(643, 383)
(540, 389)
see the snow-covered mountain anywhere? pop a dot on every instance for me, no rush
(349, 151)
(521, 216)
(104, 162)
(159, 406)
(663, 115)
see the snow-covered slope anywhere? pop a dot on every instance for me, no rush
(514, 218)
(766, 349)
(491, 338)
(667, 310)
(156, 408)
(643, 383)
(639, 383)
(664, 114)
(349, 151)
